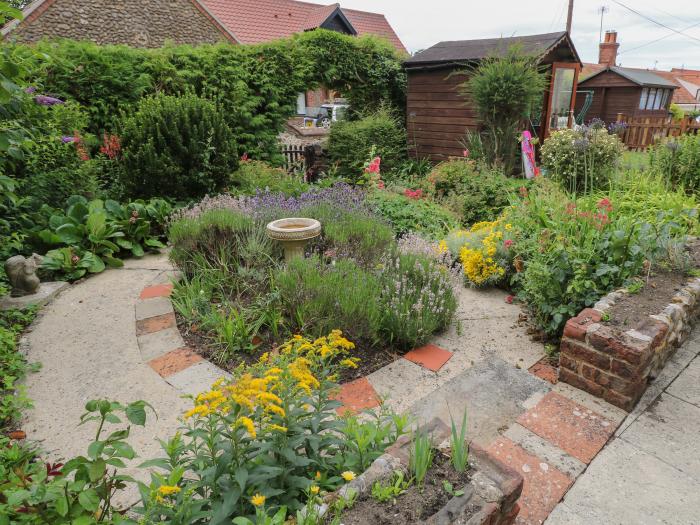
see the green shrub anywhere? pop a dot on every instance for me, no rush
(253, 176)
(350, 143)
(474, 193)
(217, 238)
(506, 89)
(678, 160)
(417, 299)
(318, 298)
(581, 160)
(413, 215)
(176, 147)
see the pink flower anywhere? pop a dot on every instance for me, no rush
(244, 157)
(380, 184)
(465, 153)
(413, 194)
(75, 259)
(508, 243)
(509, 299)
(374, 166)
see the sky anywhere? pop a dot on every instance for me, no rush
(423, 23)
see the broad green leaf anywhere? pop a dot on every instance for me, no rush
(89, 500)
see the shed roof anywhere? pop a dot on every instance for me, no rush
(641, 77)
(460, 51)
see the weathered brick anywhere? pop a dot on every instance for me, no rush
(576, 327)
(619, 400)
(566, 361)
(587, 355)
(608, 381)
(621, 346)
(626, 370)
(580, 382)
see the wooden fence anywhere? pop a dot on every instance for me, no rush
(642, 132)
(293, 158)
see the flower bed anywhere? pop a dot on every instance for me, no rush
(486, 494)
(613, 349)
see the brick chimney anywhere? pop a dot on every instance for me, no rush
(607, 55)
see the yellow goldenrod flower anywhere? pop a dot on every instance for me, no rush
(278, 428)
(276, 410)
(258, 500)
(348, 363)
(168, 490)
(248, 424)
(348, 475)
(264, 358)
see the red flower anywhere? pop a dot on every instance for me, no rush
(80, 147)
(508, 243)
(413, 194)
(380, 184)
(509, 299)
(571, 208)
(111, 146)
(244, 157)
(374, 166)
(605, 204)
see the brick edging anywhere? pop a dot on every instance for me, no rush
(161, 344)
(617, 365)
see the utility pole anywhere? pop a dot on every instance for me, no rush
(570, 16)
(602, 10)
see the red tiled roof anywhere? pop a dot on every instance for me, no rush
(255, 21)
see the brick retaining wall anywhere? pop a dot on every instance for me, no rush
(617, 365)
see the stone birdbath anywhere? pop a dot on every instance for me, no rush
(294, 233)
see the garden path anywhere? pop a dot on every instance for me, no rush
(86, 344)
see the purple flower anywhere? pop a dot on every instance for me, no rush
(45, 100)
(29, 90)
(67, 139)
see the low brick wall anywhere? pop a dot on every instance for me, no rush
(617, 365)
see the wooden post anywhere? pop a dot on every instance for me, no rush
(570, 16)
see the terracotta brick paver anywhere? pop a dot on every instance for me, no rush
(543, 484)
(155, 324)
(571, 427)
(357, 396)
(431, 357)
(544, 370)
(158, 290)
(174, 362)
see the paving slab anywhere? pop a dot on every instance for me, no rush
(429, 356)
(571, 427)
(197, 378)
(543, 484)
(156, 290)
(46, 292)
(687, 386)
(492, 392)
(158, 343)
(540, 447)
(400, 383)
(625, 485)
(152, 308)
(174, 362)
(356, 396)
(670, 431)
(155, 324)
(596, 404)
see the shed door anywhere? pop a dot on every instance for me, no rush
(562, 96)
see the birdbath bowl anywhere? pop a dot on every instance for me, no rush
(293, 233)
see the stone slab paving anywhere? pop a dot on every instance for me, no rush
(86, 343)
(650, 472)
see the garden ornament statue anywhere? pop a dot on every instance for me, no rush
(21, 272)
(294, 233)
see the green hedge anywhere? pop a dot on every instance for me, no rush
(255, 86)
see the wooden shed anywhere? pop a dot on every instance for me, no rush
(627, 91)
(438, 111)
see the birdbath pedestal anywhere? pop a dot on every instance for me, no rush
(293, 233)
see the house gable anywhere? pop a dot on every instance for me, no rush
(133, 22)
(338, 22)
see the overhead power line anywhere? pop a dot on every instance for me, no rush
(657, 40)
(656, 21)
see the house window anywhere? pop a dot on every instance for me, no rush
(664, 101)
(650, 100)
(643, 100)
